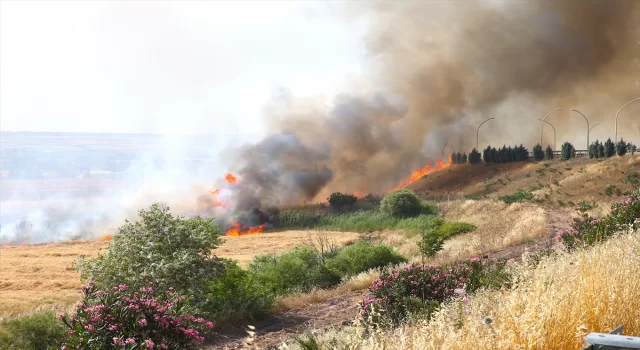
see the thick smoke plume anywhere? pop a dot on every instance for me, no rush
(436, 70)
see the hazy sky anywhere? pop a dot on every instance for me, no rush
(166, 67)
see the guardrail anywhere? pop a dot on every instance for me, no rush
(558, 154)
(613, 340)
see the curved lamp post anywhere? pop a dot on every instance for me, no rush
(478, 132)
(587, 120)
(554, 133)
(593, 127)
(635, 99)
(542, 124)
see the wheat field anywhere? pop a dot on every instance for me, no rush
(40, 276)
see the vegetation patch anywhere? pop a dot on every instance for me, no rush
(40, 330)
(588, 230)
(419, 289)
(519, 196)
(362, 256)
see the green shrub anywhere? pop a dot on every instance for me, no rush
(134, 319)
(538, 153)
(171, 252)
(548, 153)
(432, 239)
(609, 148)
(621, 148)
(588, 230)
(340, 201)
(519, 196)
(401, 203)
(298, 270)
(450, 229)
(236, 295)
(420, 288)
(38, 331)
(362, 256)
(568, 151)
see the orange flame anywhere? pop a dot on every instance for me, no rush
(421, 172)
(231, 179)
(357, 194)
(216, 203)
(241, 230)
(107, 238)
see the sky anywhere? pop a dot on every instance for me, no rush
(167, 67)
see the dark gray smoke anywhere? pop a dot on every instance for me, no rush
(436, 70)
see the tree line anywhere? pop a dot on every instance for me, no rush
(520, 153)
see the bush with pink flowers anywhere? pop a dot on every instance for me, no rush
(399, 293)
(588, 230)
(132, 319)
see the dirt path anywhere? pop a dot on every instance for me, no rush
(281, 327)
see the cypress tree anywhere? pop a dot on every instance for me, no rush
(538, 153)
(609, 148)
(548, 153)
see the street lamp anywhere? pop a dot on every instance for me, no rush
(587, 120)
(478, 132)
(635, 99)
(542, 124)
(554, 134)
(593, 127)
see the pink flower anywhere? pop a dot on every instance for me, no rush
(143, 322)
(130, 341)
(112, 327)
(149, 343)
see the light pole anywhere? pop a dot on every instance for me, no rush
(542, 124)
(587, 120)
(554, 134)
(478, 132)
(635, 99)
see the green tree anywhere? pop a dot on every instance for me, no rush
(170, 252)
(601, 150)
(593, 149)
(474, 157)
(568, 151)
(538, 153)
(342, 201)
(621, 148)
(486, 155)
(548, 153)
(609, 148)
(401, 203)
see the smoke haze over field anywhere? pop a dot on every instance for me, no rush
(411, 80)
(436, 70)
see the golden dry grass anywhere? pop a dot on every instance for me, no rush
(36, 277)
(359, 282)
(498, 224)
(551, 306)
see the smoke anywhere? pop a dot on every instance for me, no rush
(435, 71)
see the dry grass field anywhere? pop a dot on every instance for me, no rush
(40, 276)
(554, 307)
